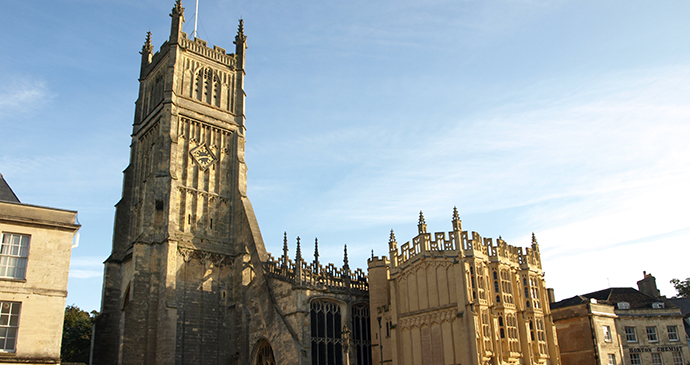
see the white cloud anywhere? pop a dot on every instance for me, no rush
(20, 94)
(84, 274)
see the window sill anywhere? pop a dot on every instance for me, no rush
(16, 281)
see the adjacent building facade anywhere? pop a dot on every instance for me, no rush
(587, 332)
(458, 298)
(648, 327)
(34, 266)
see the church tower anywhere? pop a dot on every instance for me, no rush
(186, 243)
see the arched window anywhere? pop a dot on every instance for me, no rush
(326, 337)
(264, 354)
(361, 334)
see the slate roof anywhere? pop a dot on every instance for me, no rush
(682, 303)
(578, 299)
(637, 299)
(6, 193)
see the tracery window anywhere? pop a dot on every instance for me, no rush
(513, 342)
(486, 330)
(535, 292)
(264, 354)
(361, 334)
(541, 336)
(507, 286)
(326, 336)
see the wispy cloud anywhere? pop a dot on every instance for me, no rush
(21, 94)
(86, 267)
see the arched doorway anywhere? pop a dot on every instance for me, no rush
(264, 354)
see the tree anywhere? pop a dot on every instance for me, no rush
(682, 287)
(76, 334)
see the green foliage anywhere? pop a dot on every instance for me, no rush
(76, 334)
(682, 287)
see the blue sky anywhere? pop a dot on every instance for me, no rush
(569, 119)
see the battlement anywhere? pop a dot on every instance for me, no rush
(461, 244)
(313, 274)
(199, 47)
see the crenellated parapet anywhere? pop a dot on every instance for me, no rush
(461, 244)
(314, 275)
(199, 47)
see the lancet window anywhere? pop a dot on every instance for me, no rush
(264, 354)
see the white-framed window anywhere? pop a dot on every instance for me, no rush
(677, 358)
(607, 334)
(612, 359)
(9, 324)
(635, 359)
(656, 359)
(13, 255)
(651, 334)
(672, 333)
(630, 334)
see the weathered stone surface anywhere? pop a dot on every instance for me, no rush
(189, 280)
(460, 299)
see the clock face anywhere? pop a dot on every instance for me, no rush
(203, 156)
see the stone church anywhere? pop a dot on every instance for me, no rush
(189, 280)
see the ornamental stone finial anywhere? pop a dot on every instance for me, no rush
(147, 48)
(457, 223)
(178, 9)
(285, 248)
(240, 37)
(422, 224)
(298, 255)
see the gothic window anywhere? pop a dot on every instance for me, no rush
(541, 336)
(361, 334)
(326, 338)
(264, 354)
(507, 286)
(531, 330)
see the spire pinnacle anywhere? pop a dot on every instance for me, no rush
(422, 224)
(147, 48)
(316, 256)
(457, 223)
(285, 247)
(177, 9)
(316, 250)
(391, 239)
(345, 260)
(298, 255)
(240, 37)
